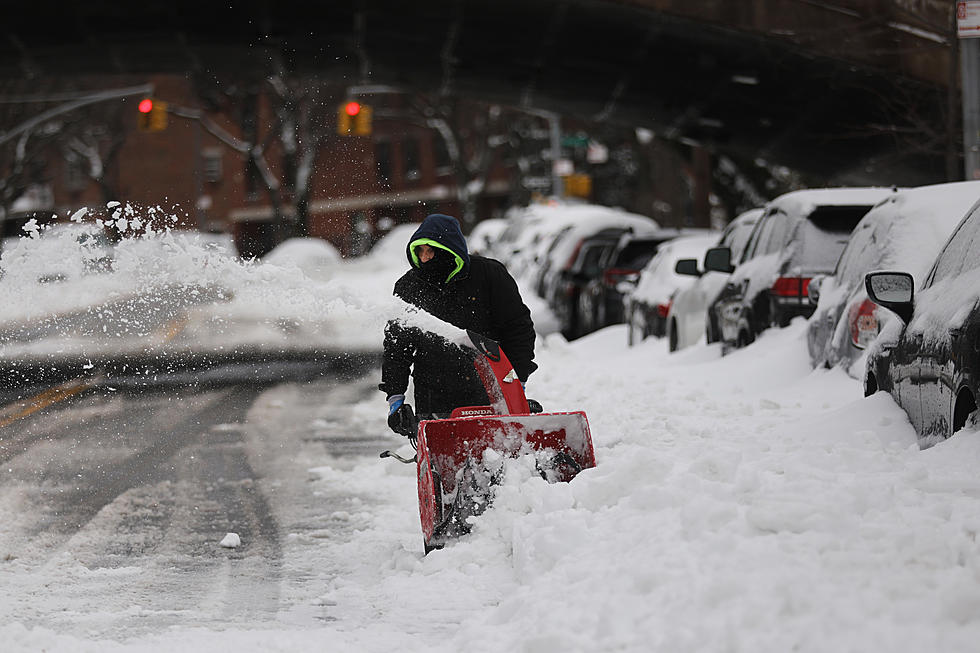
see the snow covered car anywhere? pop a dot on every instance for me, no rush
(315, 257)
(484, 236)
(800, 235)
(62, 251)
(601, 301)
(929, 359)
(648, 304)
(580, 224)
(906, 230)
(688, 320)
(572, 281)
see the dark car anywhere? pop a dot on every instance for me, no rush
(800, 235)
(930, 361)
(905, 230)
(564, 294)
(601, 301)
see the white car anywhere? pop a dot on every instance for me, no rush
(687, 319)
(648, 304)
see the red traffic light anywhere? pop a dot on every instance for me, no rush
(145, 105)
(352, 108)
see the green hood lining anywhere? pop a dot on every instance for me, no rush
(437, 245)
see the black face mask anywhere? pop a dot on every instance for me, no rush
(439, 267)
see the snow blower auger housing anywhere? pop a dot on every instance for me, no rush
(454, 478)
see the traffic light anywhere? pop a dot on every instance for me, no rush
(354, 119)
(152, 115)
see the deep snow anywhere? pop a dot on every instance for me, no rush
(743, 503)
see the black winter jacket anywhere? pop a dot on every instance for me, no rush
(480, 295)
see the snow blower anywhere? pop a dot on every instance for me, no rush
(460, 459)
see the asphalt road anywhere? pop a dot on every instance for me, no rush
(114, 501)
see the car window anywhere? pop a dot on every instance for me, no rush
(736, 237)
(588, 262)
(759, 235)
(778, 233)
(861, 254)
(825, 234)
(956, 256)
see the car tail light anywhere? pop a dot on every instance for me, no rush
(664, 309)
(790, 287)
(863, 322)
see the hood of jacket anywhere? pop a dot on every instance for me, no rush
(441, 232)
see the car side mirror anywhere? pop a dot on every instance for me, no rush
(813, 288)
(719, 259)
(687, 266)
(892, 290)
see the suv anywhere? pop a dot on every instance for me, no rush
(573, 279)
(931, 364)
(800, 235)
(601, 301)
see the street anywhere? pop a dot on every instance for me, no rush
(125, 495)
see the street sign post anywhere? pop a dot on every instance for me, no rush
(968, 30)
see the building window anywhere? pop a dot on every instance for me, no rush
(441, 155)
(75, 177)
(211, 162)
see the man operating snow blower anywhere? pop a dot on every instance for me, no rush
(468, 291)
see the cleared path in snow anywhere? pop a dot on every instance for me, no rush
(124, 496)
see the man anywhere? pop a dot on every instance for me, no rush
(469, 292)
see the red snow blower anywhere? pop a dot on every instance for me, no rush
(460, 459)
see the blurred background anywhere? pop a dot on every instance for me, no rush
(269, 120)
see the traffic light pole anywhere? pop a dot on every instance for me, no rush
(85, 100)
(970, 71)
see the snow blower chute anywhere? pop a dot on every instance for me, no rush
(459, 459)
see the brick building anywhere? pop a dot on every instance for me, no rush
(199, 167)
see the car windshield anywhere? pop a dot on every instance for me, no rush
(824, 235)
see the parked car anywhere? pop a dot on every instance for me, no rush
(314, 257)
(601, 301)
(907, 230)
(800, 235)
(688, 319)
(484, 236)
(568, 265)
(575, 277)
(648, 304)
(929, 361)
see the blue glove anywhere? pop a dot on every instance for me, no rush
(395, 402)
(401, 417)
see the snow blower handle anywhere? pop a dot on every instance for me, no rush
(404, 421)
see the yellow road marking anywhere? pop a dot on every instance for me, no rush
(41, 401)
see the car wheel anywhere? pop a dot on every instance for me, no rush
(870, 385)
(744, 339)
(672, 335)
(966, 405)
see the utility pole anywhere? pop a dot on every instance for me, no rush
(968, 31)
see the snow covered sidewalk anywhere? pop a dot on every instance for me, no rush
(742, 503)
